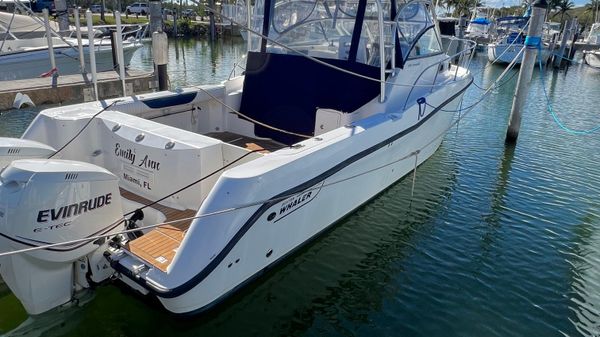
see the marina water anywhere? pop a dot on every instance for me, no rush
(495, 241)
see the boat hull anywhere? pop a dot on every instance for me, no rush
(32, 64)
(276, 229)
(505, 53)
(592, 58)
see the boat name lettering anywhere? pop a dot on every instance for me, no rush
(73, 209)
(129, 155)
(149, 163)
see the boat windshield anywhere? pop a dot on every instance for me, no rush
(325, 29)
(511, 24)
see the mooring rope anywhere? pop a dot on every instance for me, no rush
(489, 89)
(555, 117)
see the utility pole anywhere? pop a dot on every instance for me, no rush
(532, 43)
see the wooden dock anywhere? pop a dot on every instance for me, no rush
(69, 89)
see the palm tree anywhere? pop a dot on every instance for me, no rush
(554, 4)
(592, 8)
(563, 8)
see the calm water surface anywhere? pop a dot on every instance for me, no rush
(495, 241)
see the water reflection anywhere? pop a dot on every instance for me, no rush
(493, 220)
(195, 62)
(585, 262)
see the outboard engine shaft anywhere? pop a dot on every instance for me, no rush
(52, 201)
(14, 148)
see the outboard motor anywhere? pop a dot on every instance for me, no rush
(53, 201)
(14, 148)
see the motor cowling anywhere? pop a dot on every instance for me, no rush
(13, 149)
(46, 202)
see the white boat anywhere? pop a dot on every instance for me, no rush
(254, 167)
(592, 57)
(594, 34)
(30, 58)
(480, 26)
(510, 41)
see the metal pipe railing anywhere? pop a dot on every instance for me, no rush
(469, 47)
(8, 30)
(91, 46)
(382, 63)
(120, 57)
(79, 42)
(49, 39)
(248, 23)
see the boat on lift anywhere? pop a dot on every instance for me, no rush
(189, 195)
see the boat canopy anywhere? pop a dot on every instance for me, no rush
(284, 88)
(481, 21)
(347, 30)
(510, 23)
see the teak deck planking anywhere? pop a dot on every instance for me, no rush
(158, 247)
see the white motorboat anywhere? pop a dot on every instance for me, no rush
(511, 40)
(238, 175)
(594, 34)
(481, 25)
(30, 58)
(592, 58)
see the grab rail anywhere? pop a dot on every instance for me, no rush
(462, 62)
(382, 63)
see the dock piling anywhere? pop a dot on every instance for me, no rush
(62, 14)
(156, 23)
(558, 58)
(532, 44)
(573, 33)
(211, 20)
(160, 54)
